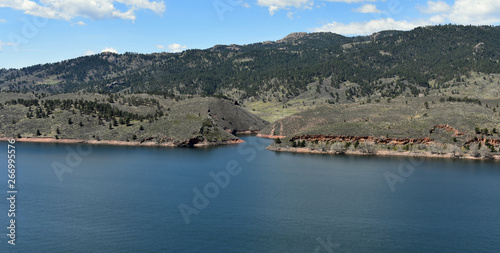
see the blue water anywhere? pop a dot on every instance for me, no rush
(126, 199)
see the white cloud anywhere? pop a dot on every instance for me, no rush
(109, 50)
(160, 46)
(89, 52)
(175, 48)
(438, 19)
(475, 12)
(80, 23)
(466, 12)
(5, 44)
(434, 7)
(366, 28)
(290, 15)
(2, 20)
(245, 4)
(367, 8)
(69, 9)
(275, 5)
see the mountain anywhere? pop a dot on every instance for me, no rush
(423, 58)
(433, 86)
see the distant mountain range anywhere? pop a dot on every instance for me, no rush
(421, 59)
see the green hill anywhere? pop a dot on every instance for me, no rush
(139, 118)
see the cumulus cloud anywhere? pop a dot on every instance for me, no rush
(109, 50)
(434, 7)
(89, 52)
(275, 5)
(366, 28)
(175, 48)
(69, 9)
(367, 8)
(475, 12)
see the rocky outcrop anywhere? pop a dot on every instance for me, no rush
(493, 142)
(447, 128)
(376, 140)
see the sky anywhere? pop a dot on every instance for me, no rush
(44, 31)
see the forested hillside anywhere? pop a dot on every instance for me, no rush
(420, 59)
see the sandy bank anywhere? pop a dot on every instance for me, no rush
(268, 136)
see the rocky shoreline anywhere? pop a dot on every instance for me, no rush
(380, 153)
(123, 143)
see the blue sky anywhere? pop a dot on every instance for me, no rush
(43, 31)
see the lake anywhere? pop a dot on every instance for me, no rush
(243, 198)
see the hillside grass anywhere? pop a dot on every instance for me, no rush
(182, 119)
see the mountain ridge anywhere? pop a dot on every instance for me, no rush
(440, 53)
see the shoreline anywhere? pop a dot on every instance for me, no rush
(425, 154)
(119, 143)
(269, 136)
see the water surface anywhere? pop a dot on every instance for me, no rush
(127, 199)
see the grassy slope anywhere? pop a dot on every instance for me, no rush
(184, 119)
(396, 119)
(483, 86)
(404, 117)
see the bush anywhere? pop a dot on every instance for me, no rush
(303, 144)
